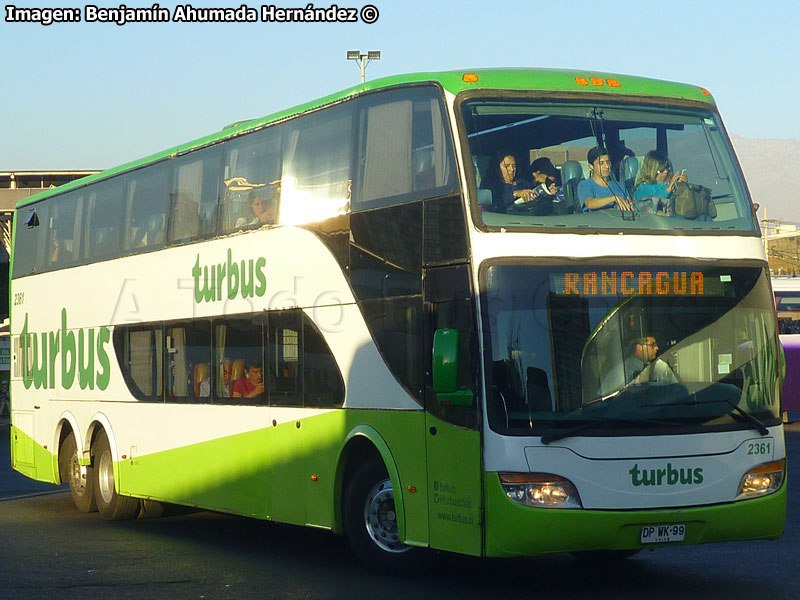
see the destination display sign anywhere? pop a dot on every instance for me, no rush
(641, 282)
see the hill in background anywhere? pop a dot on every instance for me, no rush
(773, 175)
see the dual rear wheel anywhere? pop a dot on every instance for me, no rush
(92, 486)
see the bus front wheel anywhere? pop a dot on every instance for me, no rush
(112, 506)
(370, 522)
(81, 483)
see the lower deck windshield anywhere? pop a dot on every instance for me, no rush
(638, 349)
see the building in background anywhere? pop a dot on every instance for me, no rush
(782, 246)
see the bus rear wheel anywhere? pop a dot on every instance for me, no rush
(81, 484)
(112, 506)
(370, 522)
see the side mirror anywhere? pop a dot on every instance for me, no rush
(445, 369)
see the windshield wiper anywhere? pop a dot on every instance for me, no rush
(754, 421)
(571, 431)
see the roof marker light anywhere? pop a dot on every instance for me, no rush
(613, 83)
(469, 77)
(598, 81)
(581, 81)
(705, 91)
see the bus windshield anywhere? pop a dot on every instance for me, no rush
(655, 168)
(634, 348)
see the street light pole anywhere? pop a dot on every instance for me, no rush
(363, 59)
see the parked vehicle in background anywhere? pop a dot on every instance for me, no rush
(787, 302)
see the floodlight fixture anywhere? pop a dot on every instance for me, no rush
(363, 59)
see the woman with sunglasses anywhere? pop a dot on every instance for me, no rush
(655, 178)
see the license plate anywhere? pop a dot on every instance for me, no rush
(657, 534)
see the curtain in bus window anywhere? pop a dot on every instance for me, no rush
(441, 147)
(186, 194)
(315, 181)
(177, 365)
(143, 360)
(223, 364)
(186, 200)
(387, 152)
(189, 350)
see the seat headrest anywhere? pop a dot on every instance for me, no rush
(423, 160)
(630, 167)
(571, 171)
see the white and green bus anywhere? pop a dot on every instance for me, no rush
(331, 317)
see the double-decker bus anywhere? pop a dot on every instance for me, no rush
(334, 317)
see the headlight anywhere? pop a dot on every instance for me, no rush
(762, 480)
(540, 489)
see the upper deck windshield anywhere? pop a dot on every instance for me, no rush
(641, 349)
(651, 155)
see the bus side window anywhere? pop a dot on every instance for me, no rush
(103, 221)
(315, 180)
(252, 167)
(145, 208)
(239, 347)
(63, 236)
(30, 239)
(194, 195)
(403, 148)
(140, 352)
(323, 384)
(188, 354)
(284, 375)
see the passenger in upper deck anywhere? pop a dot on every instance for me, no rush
(506, 187)
(264, 210)
(544, 171)
(655, 178)
(600, 191)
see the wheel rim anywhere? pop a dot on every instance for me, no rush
(381, 519)
(105, 479)
(76, 480)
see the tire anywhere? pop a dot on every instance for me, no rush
(112, 506)
(370, 523)
(151, 509)
(81, 487)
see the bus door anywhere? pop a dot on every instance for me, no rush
(453, 444)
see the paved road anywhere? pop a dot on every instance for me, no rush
(49, 550)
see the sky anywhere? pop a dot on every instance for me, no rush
(95, 95)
